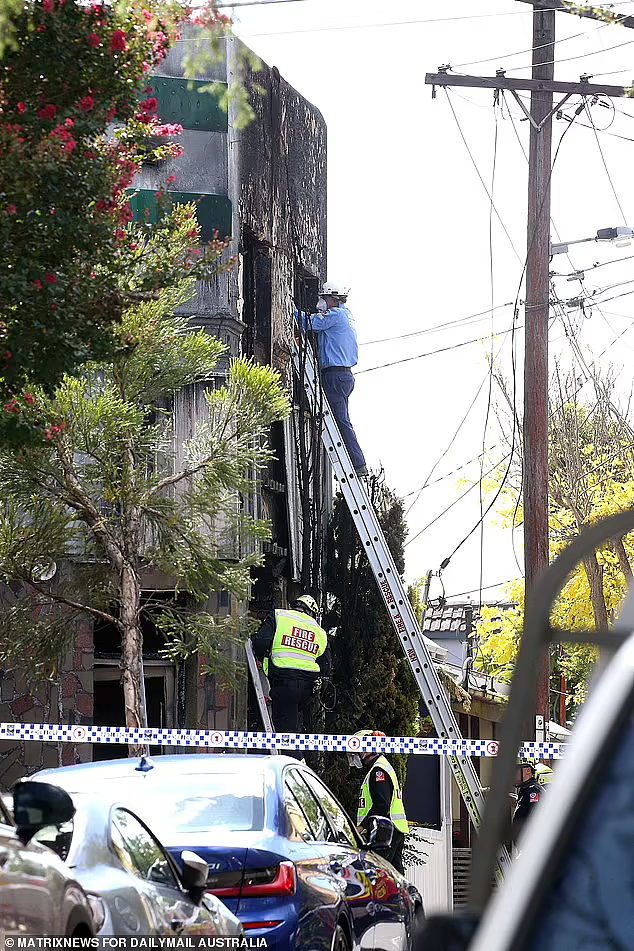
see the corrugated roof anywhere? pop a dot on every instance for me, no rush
(452, 618)
(449, 617)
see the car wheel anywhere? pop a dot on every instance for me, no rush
(340, 940)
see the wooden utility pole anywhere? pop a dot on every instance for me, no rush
(536, 335)
(542, 86)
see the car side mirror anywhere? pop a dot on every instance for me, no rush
(381, 832)
(36, 805)
(194, 875)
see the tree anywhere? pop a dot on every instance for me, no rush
(69, 71)
(374, 685)
(109, 490)
(591, 461)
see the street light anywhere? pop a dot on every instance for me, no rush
(620, 236)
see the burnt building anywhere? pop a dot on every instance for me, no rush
(263, 186)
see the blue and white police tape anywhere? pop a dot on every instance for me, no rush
(241, 740)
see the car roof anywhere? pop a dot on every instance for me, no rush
(165, 766)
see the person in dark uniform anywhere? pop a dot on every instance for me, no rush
(528, 795)
(297, 648)
(380, 795)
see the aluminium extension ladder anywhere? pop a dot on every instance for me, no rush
(419, 650)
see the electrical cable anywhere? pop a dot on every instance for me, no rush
(448, 325)
(605, 165)
(455, 502)
(487, 587)
(452, 440)
(569, 59)
(446, 560)
(490, 391)
(432, 353)
(531, 49)
(473, 162)
(447, 475)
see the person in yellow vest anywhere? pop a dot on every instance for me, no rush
(380, 795)
(297, 649)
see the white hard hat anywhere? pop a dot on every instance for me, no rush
(333, 289)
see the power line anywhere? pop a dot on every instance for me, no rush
(455, 501)
(473, 162)
(569, 59)
(389, 23)
(531, 49)
(605, 166)
(254, 3)
(449, 474)
(446, 560)
(431, 353)
(486, 587)
(437, 327)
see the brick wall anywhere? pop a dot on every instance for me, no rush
(22, 701)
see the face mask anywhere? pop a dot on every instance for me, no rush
(322, 306)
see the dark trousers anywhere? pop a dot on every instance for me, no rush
(395, 855)
(338, 384)
(291, 695)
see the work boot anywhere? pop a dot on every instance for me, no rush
(362, 472)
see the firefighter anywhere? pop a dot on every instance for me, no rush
(297, 649)
(528, 795)
(380, 795)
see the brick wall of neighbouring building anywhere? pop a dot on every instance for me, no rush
(67, 699)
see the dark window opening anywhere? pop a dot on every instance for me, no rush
(108, 710)
(256, 291)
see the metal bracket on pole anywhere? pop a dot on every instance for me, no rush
(538, 126)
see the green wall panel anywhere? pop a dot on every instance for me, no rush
(193, 109)
(213, 211)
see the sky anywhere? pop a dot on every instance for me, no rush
(412, 232)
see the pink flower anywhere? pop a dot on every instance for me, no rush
(21, 107)
(69, 123)
(47, 6)
(27, 398)
(118, 42)
(50, 278)
(46, 112)
(147, 16)
(170, 128)
(93, 40)
(170, 179)
(86, 104)
(11, 209)
(111, 113)
(38, 284)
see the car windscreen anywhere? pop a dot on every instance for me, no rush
(194, 803)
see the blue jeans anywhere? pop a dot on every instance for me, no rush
(338, 384)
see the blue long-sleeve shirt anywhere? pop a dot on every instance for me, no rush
(336, 336)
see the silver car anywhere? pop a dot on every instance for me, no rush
(39, 895)
(136, 887)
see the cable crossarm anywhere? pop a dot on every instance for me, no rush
(535, 638)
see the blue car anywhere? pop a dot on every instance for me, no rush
(283, 855)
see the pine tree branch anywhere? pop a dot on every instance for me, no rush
(179, 476)
(88, 512)
(60, 599)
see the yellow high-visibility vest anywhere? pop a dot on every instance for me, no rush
(397, 812)
(298, 641)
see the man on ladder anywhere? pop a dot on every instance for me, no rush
(338, 353)
(380, 795)
(298, 650)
